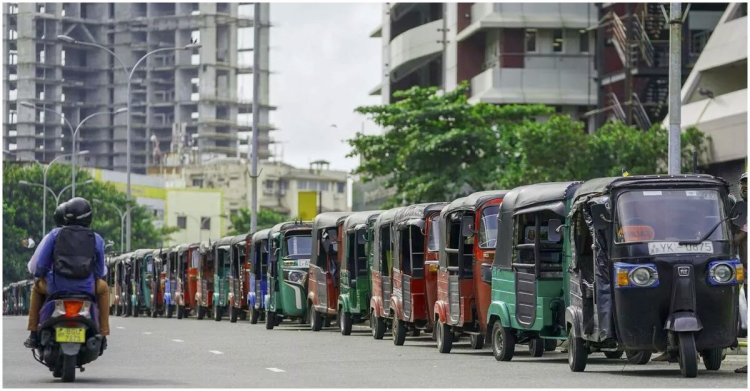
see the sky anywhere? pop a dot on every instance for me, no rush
(323, 64)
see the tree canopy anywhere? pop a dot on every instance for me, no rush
(438, 146)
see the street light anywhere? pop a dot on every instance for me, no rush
(122, 214)
(71, 40)
(73, 132)
(59, 194)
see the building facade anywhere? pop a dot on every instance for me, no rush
(180, 100)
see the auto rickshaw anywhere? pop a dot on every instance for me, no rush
(354, 296)
(205, 285)
(325, 264)
(155, 270)
(141, 290)
(24, 296)
(238, 282)
(170, 281)
(651, 268)
(527, 277)
(110, 262)
(187, 278)
(258, 275)
(128, 288)
(381, 270)
(222, 262)
(410, 308)
(118, 284)
(287, 272)
(468, 231)
(6, 300)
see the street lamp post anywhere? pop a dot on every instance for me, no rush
(122, 214)
(68, 39)
(55, 196)
(73, 133)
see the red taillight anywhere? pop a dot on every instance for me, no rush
(72, 308)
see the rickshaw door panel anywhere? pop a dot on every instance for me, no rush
(525, 298)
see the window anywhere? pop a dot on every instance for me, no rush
(488, 227)
(13, 57)
(12, 116)
(12, 9)
(434, 241)
(531, 40)
(12, 34)
(182, 222)
(557, 41)
(206, 223)
(268, 186)
(583, 41)
(341, 187)
(197, 182)
(233, 212)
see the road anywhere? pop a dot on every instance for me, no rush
(160, 353)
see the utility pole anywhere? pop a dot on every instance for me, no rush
(256, 113)
(675, 84)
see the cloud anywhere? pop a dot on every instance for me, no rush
(323, 65)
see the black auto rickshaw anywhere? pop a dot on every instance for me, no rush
(652, 268)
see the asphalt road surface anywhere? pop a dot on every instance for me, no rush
(159, 353)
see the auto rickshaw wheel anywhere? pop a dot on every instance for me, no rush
(712, 358)
(345, 322)
(444, 338)
(254, 315)
(503, 342)
(688, 358)
(180, 312)
(170, 311)
(477, 341)
(201, 312)
(614, 355)
(416, 332)
(377, 324)
(232, 314)
(577, 352)
(242, 315)
(399, 331)
(316, 320)
(550, 345)
(217, 313)
(638, 357)
(270, 317)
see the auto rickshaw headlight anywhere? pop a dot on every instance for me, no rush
(725, 272)
(643, 276)
(629, 275)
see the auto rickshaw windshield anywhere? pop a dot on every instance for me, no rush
(433, 242)
(299, 246)
(488, 227)
(668, 215)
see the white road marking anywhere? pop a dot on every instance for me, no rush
(178, 340)
(147, 332)
(276, 370)
(215, 352)
(121, 328)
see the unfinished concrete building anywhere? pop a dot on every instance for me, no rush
(196, 101)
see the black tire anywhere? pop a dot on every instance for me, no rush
(254, 315)
(712, 358)
(577, 352)
(416, 333)
(399, 331)
(536, 347)
(550, 345)
(270, 320)
(69, 369)
(688, 358)
(232, 314)
(326, 321)
(180, 312)
(503, 342)
(476, 341)
(170, 310)
(242, 314)
(315, 319)
(201, 312)
(345, 322)
(377, 324)
(614, 355)
(444, 338)
(638, 357)
(136, 310)
(217, 313)
(118, 312)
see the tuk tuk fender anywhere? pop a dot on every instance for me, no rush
(441, 310)
(376, 306)
(683, 321)
(499, 310)
(344, 305)
(573, 318)
(397, 307)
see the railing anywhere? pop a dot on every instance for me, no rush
(623, 46)
(641, 116)
(620, 37)
(644, 42)
(616, 106)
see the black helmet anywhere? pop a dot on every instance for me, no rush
(78, 212)
(60, 215)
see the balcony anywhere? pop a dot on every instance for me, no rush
(530, 15)
(412, 46)
(534, 85)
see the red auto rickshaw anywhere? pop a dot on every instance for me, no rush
(187, 278)
(325, 264)
(380, 273)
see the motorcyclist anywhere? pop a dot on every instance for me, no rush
(72, 239)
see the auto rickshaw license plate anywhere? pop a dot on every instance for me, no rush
(67, 334)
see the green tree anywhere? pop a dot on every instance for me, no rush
(267, 218)
(22, 213)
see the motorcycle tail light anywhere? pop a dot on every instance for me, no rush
(72, 308)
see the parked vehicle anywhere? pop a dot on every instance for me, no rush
(238, 282)
(6, 300)
(204, 295)
(187, 279)
(140, 299)
(258, 275)
(170, 281)
(354, 288)
(380, 273)
(222, 261)
(325, 265)
(155, 279)
(118, 270)
(128, 288)
(651, 267)
(409, 306)
(110, 262)
(468, 232)
(287, 272)
(527, 273)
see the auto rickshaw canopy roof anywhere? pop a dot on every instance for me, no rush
(415, 214)
(328, 219)
(261, 235)
(288, 226)
(241, 238)
(473, 201)
(357, 218)
(387, 216)
(225, 241)
(138, 254)
(523, 198)
(605, 185)
(185, 246)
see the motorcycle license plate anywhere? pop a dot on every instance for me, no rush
(68, 334)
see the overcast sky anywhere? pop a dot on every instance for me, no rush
(324, 64)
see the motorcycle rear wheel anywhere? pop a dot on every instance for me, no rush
(69, 369)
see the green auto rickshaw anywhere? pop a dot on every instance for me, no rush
(527, 304)
(140, 298)
(287, 273)
(354, 290)
(222, 264)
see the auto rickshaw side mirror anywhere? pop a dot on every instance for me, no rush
(467, 225)
(554, 227)
(600, 215)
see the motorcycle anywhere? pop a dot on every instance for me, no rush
(68, 335)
